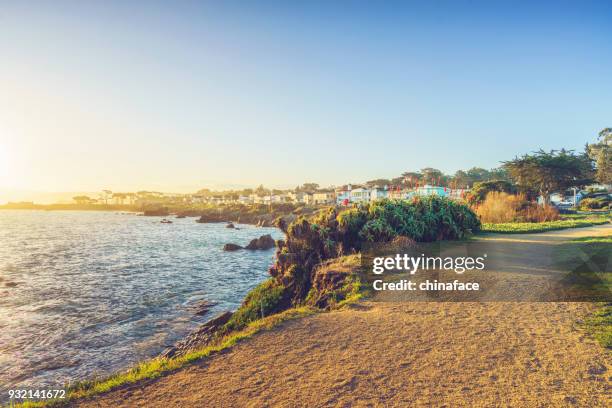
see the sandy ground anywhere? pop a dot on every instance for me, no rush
(398, 354)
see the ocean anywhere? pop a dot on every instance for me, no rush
(84, 294)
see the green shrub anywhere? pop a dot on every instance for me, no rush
(332, 233)
(265, 299)
(595, 203)
(426, 219)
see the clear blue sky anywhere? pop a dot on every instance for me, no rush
(180, 95)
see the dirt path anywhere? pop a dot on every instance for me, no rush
(499, 354)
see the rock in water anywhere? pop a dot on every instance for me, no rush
(231, 247)
(230, 225)
(202, 307)
(263, 242)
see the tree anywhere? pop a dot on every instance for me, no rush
(476, 174)
(378, 182)
(499, 174)
(308, 187)
(397, 181)
(431, 175)
(412, 177)
(82, 199)
(550, 172)
(601, 154)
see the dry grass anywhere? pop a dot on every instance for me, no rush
(499, 207)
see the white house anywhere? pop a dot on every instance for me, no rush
(324, 197)
(360, 195)
(379, 193)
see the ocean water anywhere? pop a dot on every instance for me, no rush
(83, 294)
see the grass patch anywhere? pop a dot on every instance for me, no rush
(604, 239)
(532, 227)
(159, 366)
(586, 261)
(264, 300)
(585, 216)
(599, 325)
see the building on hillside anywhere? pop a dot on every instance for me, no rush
(428, 190)
(123, 199)
(323, 197)
(307, 199)
(343, 195)
(296, 196)
(285, 197)
(379, 193)
(360, 195)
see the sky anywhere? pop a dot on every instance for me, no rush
(177, 96)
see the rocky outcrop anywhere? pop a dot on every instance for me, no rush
(202, 307)
(263, 242)
(202, 336)
(231, 247)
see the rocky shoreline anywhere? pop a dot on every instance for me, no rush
(207, 332)
(200, 337)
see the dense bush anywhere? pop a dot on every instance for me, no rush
(423, 219)
(332, 233)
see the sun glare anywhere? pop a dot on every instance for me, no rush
(4, 163)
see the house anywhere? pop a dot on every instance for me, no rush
(428, 190)
(379, 193)
(343, 195)
(295, 196)
(323, 197)
(347, 194)
(307, 199)
(360, 195)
